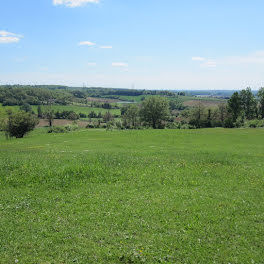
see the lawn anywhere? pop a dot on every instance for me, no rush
(165, 196)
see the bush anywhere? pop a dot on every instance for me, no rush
(72, 127)
(255, 123)
(228, 123)
(19, 124)
(82, 115)
(188, 126)
(173, 125)
(90, 125)
(63, 129)
(57, 129)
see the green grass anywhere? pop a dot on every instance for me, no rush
(95, 196)
(60, 108)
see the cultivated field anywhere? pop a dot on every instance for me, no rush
(168, 196)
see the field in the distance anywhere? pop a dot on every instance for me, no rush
(60, 108)
(95, 196)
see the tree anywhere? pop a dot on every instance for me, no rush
(234, 106)
(154, 111)
(40, 112)
(131, 116)
(2, 120)
(50, 116)
(92, 114)
(261, 101)
(248, 103)
(222, 110)
(26, 107)
(107, 117)
(20, 123)
(198, 118)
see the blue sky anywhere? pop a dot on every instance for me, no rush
(146, 44)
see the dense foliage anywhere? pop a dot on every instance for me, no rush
(20, 123)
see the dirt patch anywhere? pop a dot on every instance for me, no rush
(102, 100)
(61, 122)
(193, 103)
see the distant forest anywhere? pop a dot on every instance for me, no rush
(11, 95)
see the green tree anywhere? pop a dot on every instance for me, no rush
(261, 101)
(234, 106)
(154, 111)
(222, 111)
(50, 116)
(92, 114)
(20, 123)
(3, 117)
(248, 103)
(198, 116)
(131, 116)
(26, 107)
(107, 117)
(40, 114)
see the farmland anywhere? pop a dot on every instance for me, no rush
(146, 196)
(76, 108)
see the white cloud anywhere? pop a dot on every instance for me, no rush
(106, 47)
(86, 43)
(91, 63)
(119, 64)
(209, 64)
(8, 37)
(198, 59)
(74, 3)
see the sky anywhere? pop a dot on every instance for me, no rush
(142, 44)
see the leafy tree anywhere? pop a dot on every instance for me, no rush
(73, 116)
(198, 116)
(20, 123)
(222, 110)
(248, 103)
(26, 107)
(107, 117)
(234, 106)
(50, 116)
(40, 114)
(261, 101)
(82, 115)
(92, 114)
(131, 116)
(154, 111)
(3, 117)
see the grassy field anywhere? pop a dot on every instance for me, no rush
(75, 108)
(170, 196)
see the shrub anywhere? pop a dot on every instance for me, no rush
(188, 126)
(90, 125)
(20, 123)
(72, 127)
(173, 125)
(57, 129)
(63, 129)
(255, 123)
(228, 123)
(82, 115)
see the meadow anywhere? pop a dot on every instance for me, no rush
(60, 108)
(147, 196)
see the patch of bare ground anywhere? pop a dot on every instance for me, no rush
(102, 100)
(61, 122)
(205, 103)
